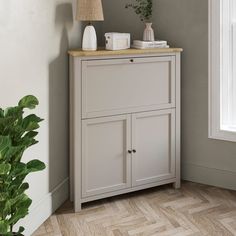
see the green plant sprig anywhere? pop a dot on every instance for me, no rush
(17, 133)
(143, 8)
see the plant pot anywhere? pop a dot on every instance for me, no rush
(148, 34)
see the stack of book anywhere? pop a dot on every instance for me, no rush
(146, 44)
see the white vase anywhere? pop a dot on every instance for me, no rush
(148, 34)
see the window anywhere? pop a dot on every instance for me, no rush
(222, 69)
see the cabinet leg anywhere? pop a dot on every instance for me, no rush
(177, 184)
(77, 206)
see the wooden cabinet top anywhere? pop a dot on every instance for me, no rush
(102, 52)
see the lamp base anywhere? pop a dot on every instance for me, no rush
(89, 39)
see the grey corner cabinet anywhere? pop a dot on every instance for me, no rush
(124, 122)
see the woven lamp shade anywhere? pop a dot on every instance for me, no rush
(89, 10)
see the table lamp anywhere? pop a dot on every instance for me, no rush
(89, 10)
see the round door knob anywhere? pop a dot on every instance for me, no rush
(129, 151)
(131, 60)
(134, 151)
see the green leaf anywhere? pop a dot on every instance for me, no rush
(1, 113)
(14, 153)
(16, 183)
(31, 122)
(5, 124)
(17, 199)
(4, 226)
(5, 143)
(22, 204)
(29, 101)
(31, 134)
(3, 196)
(2, 205)
(14, 112)
(27, 142)
(19, 190)
(4, 168)
(35, 165)
(7, 151)
(21, 229)
(143, 8)
(19, 214)
(18, 169)
(24, 186)
(6, 208)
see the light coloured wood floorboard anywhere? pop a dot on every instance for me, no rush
(193, 210)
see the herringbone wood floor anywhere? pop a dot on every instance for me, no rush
(195, 210)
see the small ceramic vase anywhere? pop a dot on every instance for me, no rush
(148, 34)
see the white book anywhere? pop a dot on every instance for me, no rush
(148, 44)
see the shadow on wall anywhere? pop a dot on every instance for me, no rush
(119, 19)
(59, 101)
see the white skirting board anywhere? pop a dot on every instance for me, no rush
(210, 176)
(46, 207)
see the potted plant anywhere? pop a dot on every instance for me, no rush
(144, 8)
(17, 133)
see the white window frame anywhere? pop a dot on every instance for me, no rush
(219, 69)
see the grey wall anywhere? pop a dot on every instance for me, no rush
(34, 38)
(184, 23)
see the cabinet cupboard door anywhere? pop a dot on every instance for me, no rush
(121, 86)
(153, 139)
(106, 163)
